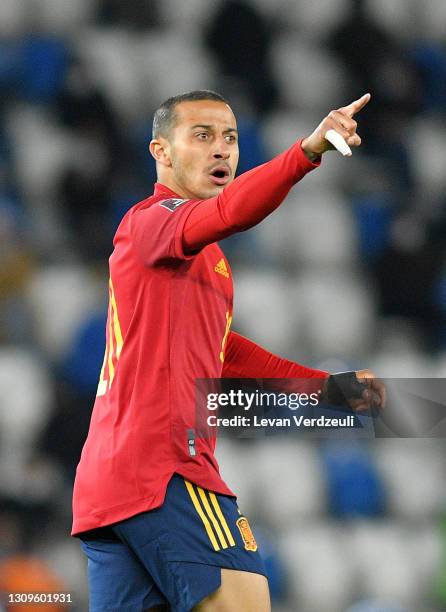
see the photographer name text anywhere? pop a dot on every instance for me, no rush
(294, 421)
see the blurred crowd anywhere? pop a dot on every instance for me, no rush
(350, 272)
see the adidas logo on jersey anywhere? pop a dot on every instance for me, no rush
(221, 268)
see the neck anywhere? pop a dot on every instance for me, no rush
(168, 181)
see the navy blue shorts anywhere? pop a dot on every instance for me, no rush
(171, 555)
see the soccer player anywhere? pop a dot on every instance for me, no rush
(160, 528)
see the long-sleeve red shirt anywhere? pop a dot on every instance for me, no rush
(169, 317)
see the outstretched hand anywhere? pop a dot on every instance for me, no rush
(361, 391)
(340, 120)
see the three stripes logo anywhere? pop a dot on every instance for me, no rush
(207, 506)
(221, 268)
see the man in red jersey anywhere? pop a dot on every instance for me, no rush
(160, 528)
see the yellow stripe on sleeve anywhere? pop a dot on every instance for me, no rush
(111, 368)
(116, 324)
(211, 515)
(220, 515)
(202, 515)
(102, 385)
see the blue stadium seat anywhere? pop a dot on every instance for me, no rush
(373, 215)
(354, 486)
(83, 362)
(43, 67)
(252, 147)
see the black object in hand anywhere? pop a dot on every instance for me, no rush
(342, 388)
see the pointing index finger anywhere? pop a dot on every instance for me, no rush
(356, 106)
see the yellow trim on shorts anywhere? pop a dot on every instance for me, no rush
(211, 522)
(211, 515)
(202, 515)
(220, 515)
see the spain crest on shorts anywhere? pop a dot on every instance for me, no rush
(246, 533)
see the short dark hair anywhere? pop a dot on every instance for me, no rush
(164, 118)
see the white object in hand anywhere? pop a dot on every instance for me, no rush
(338, 142)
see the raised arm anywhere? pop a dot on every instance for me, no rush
(257, 193)
(247, 200)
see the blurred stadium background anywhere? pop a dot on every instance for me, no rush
(350, 272)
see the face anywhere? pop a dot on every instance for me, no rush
(202, 150)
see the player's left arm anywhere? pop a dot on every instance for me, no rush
(246, 359)
(360, 390)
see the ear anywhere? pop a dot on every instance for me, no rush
(160, 150)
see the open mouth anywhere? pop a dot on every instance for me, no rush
(220, 175)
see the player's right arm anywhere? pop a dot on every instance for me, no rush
(247, 200)
(255, 194)
(162, 233)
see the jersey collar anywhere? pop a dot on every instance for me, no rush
(161, 189)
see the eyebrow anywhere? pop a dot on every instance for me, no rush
(209, 127)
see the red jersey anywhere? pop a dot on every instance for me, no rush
(168, 324)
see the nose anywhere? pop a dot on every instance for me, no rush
(221, 155)
(221, 151)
